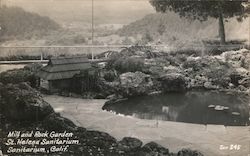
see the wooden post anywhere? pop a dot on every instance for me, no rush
(92, 56)
(41, 58)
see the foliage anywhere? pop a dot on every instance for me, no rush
(16, 76)
(89, 81)
(129, 64)
(180, 32)
(128, 55)
(26, 74)
(19, 57)
(126, 64)
(217, 71)
(109, 76)
(200, 10)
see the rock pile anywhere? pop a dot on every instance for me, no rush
(20, 102)
(155, 149)
(129, 144)
(26, 74)
(173, 82)
(134, 84)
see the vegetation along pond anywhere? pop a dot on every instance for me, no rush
(201, 107)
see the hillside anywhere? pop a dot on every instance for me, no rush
(170, 28)
(16, 23)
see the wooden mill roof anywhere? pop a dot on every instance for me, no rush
(64, 67)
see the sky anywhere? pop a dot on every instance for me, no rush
(105, 11)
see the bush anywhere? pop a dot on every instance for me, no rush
(216, 71)
(186, 51)
(128, 64)
(19, 57)
(26, 74)
(109, 76)
(176, 60)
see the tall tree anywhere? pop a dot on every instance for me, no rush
(202, 9)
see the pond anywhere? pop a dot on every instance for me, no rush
(201, 107)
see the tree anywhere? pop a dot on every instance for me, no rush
(202, 9)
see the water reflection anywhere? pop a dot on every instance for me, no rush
(204, 107)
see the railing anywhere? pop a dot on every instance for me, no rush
(44, 61)
(45, 51)
(24, 62)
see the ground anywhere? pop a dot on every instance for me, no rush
(173, 135)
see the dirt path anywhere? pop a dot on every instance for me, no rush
(173, 135)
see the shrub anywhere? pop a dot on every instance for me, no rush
(186, 51)
(176, 60)
(16, 76)
(128, 64)
(123, 63)
(109, 76)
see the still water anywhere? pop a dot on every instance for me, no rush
(201, 107)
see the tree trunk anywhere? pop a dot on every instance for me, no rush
(222, 30)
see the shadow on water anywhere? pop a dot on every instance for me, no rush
(201, 107)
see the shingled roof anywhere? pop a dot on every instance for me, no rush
(64, 67)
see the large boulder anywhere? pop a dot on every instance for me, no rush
(20, 102)
(189, 152)
(133, 84)
(26, 74)
(98, 143)
(129, 144)
(152, 149)
(55, 122)
(173, 82)
(108, 88)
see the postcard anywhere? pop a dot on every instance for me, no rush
(124, 77)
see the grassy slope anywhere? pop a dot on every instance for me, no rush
(19, 24)
(179, 29)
